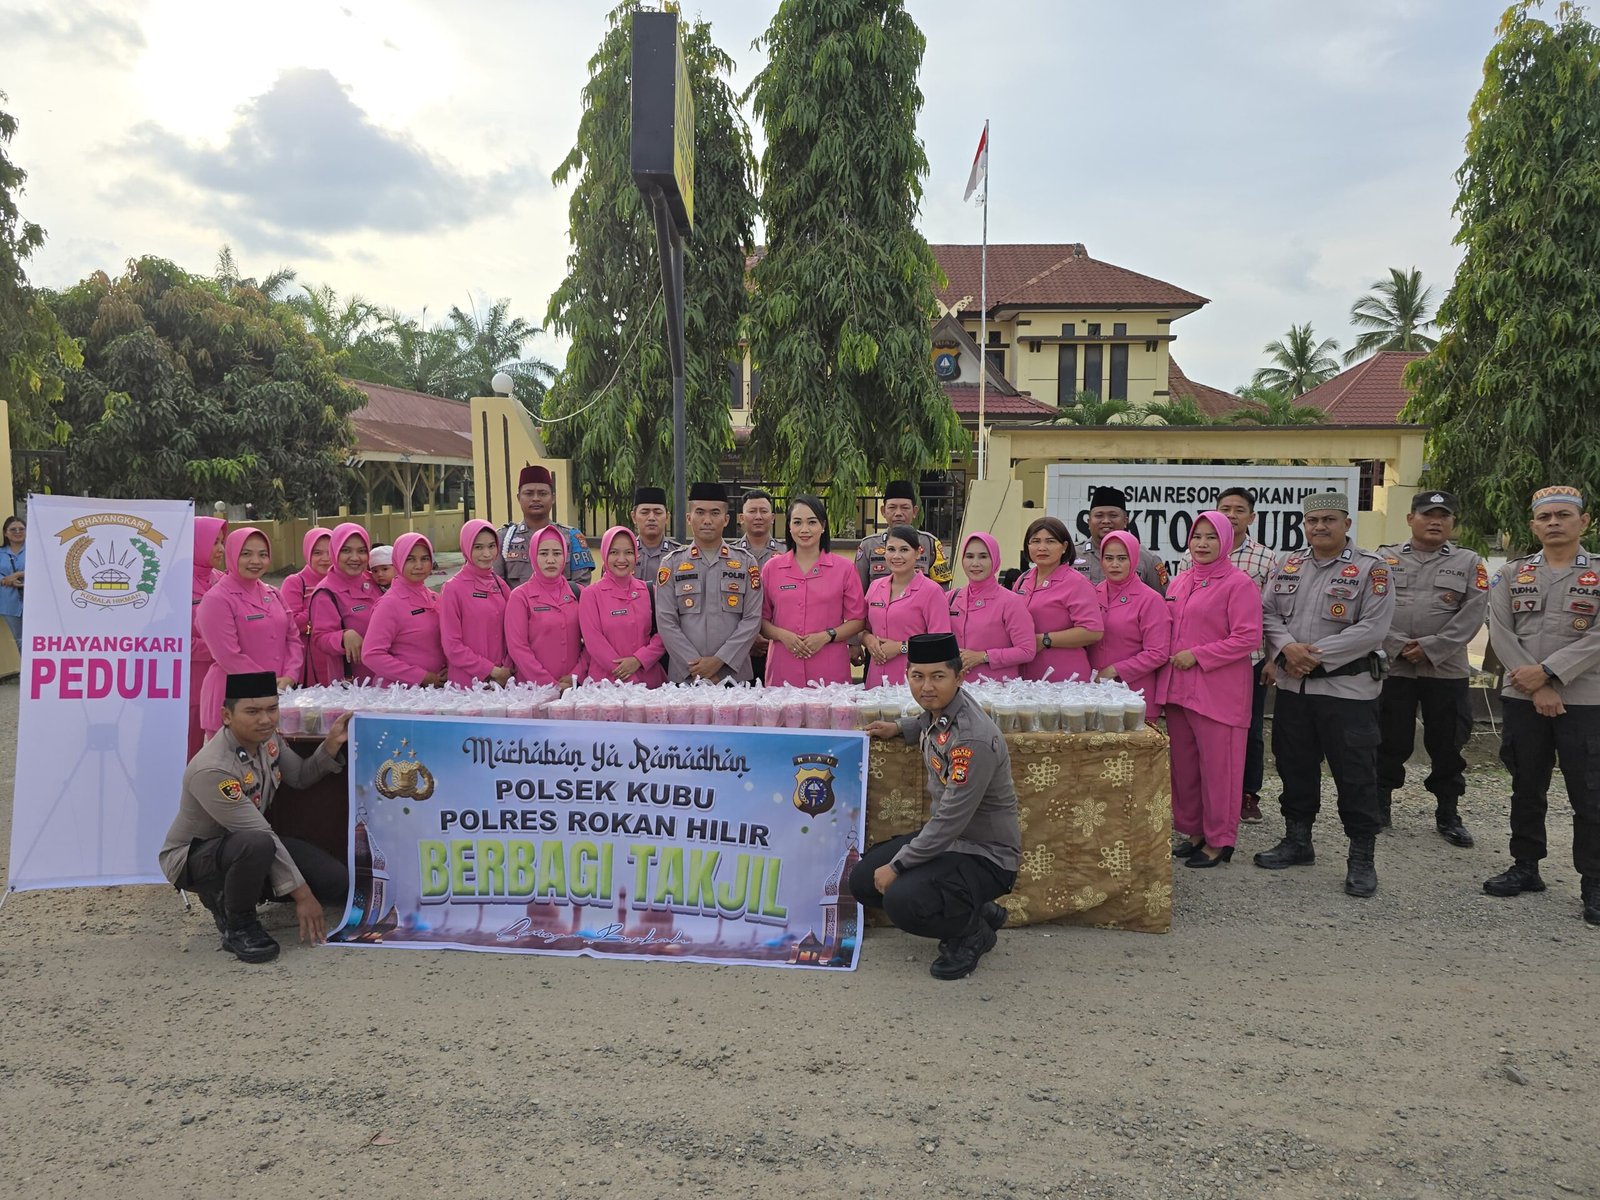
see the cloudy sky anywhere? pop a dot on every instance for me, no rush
(1276, 156)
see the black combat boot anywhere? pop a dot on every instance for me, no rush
(213, 905)
(1360, 874)
(958, 957)
(247, 941)
(1521, 876)
(1591, 899)
(1293, 851)
(1448, 822)
(994, 915)
(1386, 810)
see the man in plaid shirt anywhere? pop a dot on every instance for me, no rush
(1256, 561)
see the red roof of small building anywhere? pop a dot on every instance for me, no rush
(1055, 275)
(1369, 393)
(1214, 402)
(996, 403)
(396, 421)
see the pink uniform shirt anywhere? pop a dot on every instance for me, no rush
(1216, 613)
(402, 643)
(297, 588)
(922, 608)
(338, 603)
(808, 602)
(1138, 638)
(472, 615)
(542, 631)
(1064, 601)
(984, 616)
(207, 531)
(246, 628)
(617, 619)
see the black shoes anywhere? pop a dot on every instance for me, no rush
(1202, 860)
(958, 957)
(1453, 831)
(1360, 873)
(213, 905)
(994, 915)
(247, 941)
(1591, 899)
(1294, 850)
(1188, 847)
(1519, 877)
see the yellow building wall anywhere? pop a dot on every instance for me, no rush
(1034, 367)
(504, 440)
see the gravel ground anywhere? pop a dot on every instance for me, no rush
(1283, 1041)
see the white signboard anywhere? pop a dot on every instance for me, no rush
(103, 719)
(1164, 498)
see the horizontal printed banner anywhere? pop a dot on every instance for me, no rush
(627, 841)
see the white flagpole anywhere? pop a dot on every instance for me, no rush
(983, 308)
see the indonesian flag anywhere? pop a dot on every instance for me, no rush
(980, 165)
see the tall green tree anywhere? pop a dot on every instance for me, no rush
(843, 301)
(493, 343)
(274, 286)
(1392, 316)
(1298, 362)
(185, 391)
(1267, 406)
(611, 404)
(1512, 392)
(35, 351)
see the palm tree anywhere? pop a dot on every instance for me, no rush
(1299, 362)
(1090, 409)
(1394, 314)
(1181, 411)
(1268, 406)
(423, 359)
(494, 343)
(228, 278)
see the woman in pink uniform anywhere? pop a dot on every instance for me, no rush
(341, 608)
(1138, 637)
(992, 625)
(297, 588)
(245, 625)
(210, 556)
(616, 614)
(402, 643)
(900, 605)
(472, 612)
(1216, 625)
(811, 603)
(1061, 602)
(542, 617)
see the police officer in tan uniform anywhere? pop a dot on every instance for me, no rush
(1441, 595)
(650, 531)
(1326, 614)
(900, 508)
(536, 494)
(220, 846)
(1108, 513)
(1542, 614)
(942, 881)
(708, 597)
(758, 540)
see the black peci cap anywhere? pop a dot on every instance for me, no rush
(251, 685)
(708, 491)
(932, 648)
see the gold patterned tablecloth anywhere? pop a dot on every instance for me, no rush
(1096, 813)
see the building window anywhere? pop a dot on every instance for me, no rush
(1094, 330)
(1069, 331)
(1371, 477)
(996, 359)
(1120, 329)
(1091, 368)
(1066, 374)
(1118, 389)
(994, 337)
(736, 386)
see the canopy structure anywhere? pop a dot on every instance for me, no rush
(409, 438)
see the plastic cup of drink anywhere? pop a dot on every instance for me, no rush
(289, 718)
(1110, 716)
(819, 714)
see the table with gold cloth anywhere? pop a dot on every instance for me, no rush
(1096, 814)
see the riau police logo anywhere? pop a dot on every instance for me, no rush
(403, 776)
(107, 570)
(813, 783)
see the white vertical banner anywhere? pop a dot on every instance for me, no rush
(103, 717)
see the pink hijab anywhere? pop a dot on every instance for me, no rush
(983, 587)
(606, 539)
(206, 532)
(420, 592)
(469, 534)
(235, 544)
(1111, 592)
(1218, 569)
(336, 580)
(307, 545)
(550, 590)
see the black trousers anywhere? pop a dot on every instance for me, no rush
(1530, 747)
(939, 899)
(1255, 746)
(1305, 730)
(1446, 727)
(235, 867)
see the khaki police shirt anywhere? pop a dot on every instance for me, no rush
(708, 604)
(969, 778)
(763, 556)
(1151, 569)
(1343, 606)
(1440, 601)
(651, 557)
(227, 790)
(931, 561)
(1541, 615)
(515, 567)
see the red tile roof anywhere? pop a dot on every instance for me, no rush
(1214, 402)
(1369, 393)
(996, 403)
(1058, 275)
(397, 421)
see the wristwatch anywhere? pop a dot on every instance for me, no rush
(1047, 641)
(1549, 674)
(833, 635)
(905, 647)
(896, 868)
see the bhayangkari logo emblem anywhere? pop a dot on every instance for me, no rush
(108, 571)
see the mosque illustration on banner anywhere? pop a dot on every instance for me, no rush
(371, 890)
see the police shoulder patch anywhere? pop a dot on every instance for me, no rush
(663, 574)
(1483, 578)
(755, 576)
(232, 791)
